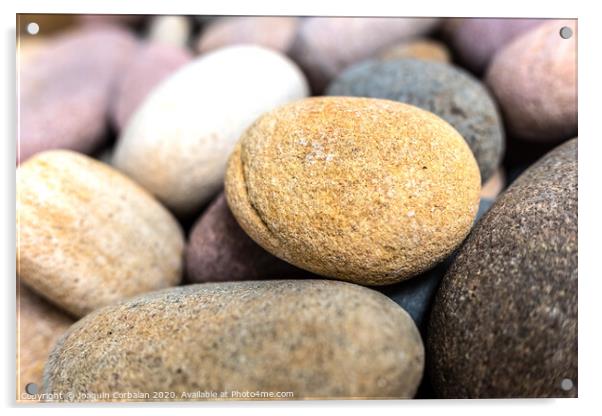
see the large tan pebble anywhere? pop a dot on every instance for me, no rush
(178, 142)
(361, 189)
(88, 236)
(313, 338)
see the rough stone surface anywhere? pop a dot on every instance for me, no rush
(275, 33)
(534, 79)
(180, 155)
(504, 322)
(445, 90)
(39, 326)
(89, 236)
(65, 90)
(219, 250)
(151, 64)
(325, 46)
(426, 49)
(315, 338)
(365, 190)
(475, 41)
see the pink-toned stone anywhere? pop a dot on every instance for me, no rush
(151, 64)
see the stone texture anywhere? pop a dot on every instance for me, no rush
(448, 91)
(275, 33)
(534, 79)
(170, 30)
(325, 46)
(475, 41)
(180, 155)
(425, 49)
(39, 326)
(219, 250)
(365, 190)
(504, 322)
(151, 64)
(65, 90)
(89, 236)
(316, 338)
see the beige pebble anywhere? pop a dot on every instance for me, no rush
(425, 49)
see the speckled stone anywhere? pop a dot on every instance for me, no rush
(219, 250)
(65, 90)
(89, 236)
(534, 79)
(360, 189)
(275, 33)
(325, 46)
(177, 144)
(316, 338)
(39, 326)
(475, 41)
(425, 49)
(504, 322)
(151, 64)
(445, 90)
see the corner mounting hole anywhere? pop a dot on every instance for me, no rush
(566, 384)
(33, 28)
(31, 388)
(566, 32)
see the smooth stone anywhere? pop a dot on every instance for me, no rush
(180, 155)
(275, 32)
(316, 338)
(170, 30)
(219, 250)
(360, 189)
(534, 79)
(448, 91)
(504, 321)
(495, 185)
(426, 49)
(475, 41)
(65, 90)
(111, 19)
(151, 64)
(325, 46)
(40, 325)
(89, 236)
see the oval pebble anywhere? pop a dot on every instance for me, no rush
(151, 64)
(315, 338)
(178, 143)
(89, 236)
(445, 90)
(64, 91)
(504, 322)
(534, 79)
(365, 190)
(170, 30)
(426, 49)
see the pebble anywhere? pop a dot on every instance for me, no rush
(275, 33)
(177, 144)
(88, 236)
(426, 49)
(219, 250)
(495, 185)
(448, 91)
(475, 41)
(170, 30)
(360, 189)
(504, 321)
(152, 63)
(314, 338)
(534, 79)
(325, 46)
(65, 90)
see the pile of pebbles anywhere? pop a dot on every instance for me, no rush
(330, 207)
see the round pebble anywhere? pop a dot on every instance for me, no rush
(445, 90)
(504, 322)
(534, 79)
(170, 30)
(177, 144)
(88, 236)
(315, 338)
(219, 250)
(426, 49)
(151, 64)
(365, 190)
(495, 185)
(325, 46)
(64, 91)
